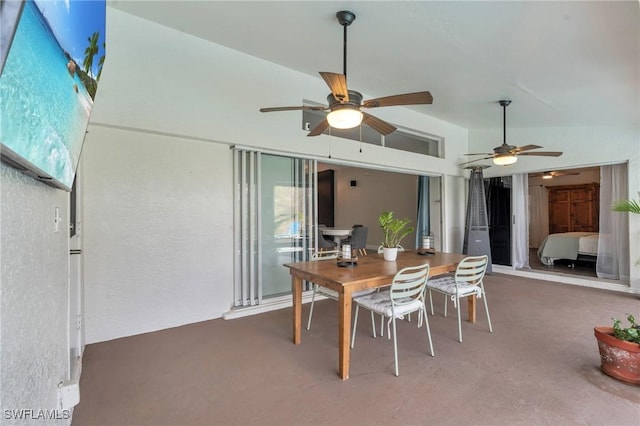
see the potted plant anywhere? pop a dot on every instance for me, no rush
(620, 347)
(393, 231)
(620, 350)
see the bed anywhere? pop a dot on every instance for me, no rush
(568, 245)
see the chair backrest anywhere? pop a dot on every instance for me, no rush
(400, 248)
(471, 270)
(323, 243)
(359, 237)
(409, 283)
(325, 255)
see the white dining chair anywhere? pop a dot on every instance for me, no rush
(327, 292)
(467, 282)
(405, 295)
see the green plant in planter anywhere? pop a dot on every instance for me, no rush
(629, 334)
(393, 229)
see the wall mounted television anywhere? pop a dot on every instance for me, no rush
(48, 82)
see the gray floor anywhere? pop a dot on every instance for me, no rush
(585, 266)
(540, 366)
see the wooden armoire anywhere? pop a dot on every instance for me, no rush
(574, 208)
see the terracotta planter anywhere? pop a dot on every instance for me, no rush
(620, 359)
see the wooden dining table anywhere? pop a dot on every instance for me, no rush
(371, 271)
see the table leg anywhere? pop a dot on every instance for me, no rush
(296, 288)
(471, 308)
(338, 241)
(344, 334)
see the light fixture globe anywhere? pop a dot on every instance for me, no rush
(344, 118)
(505, 160)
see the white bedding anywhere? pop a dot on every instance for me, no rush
(588, 245)
(567, 245)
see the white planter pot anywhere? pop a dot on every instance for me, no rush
(390, 254)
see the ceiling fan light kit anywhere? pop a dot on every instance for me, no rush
(344, 118)
(345, 106)
(504, 160)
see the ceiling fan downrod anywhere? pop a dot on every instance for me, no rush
(345, 18)
(504, 104)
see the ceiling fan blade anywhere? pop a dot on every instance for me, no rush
(473, 161)
(480, 153)
(378, 125)
(338, 85)
(417, 98)
(526, 148)
(321, 127)
(564, 174)
(294, 108)
(542, 153)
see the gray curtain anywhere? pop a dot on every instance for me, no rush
(422, 222)
(613, 243)
(538, 215)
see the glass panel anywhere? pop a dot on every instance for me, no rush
(405, 140)
(283, 221)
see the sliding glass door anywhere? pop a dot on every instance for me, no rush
(274, 199)
(285, 189)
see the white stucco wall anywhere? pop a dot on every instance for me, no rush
(158, 232)
(33, 296)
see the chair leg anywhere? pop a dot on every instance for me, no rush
(459, 321)
(355, 324)
(395, 346)
(445, 305)
(486, 309)
(431, 301)
(426, 323)
(313, 298)
(373, 324)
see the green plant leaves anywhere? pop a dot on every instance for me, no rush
(630, 334)
(394, 230)
(631, 206)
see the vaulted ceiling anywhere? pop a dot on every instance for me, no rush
(573, 63)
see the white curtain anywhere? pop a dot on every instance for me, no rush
(613, 244)
(538, 215)
(520, 184)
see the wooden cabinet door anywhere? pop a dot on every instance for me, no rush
(584, 209)
(559, 211)
(574, 208)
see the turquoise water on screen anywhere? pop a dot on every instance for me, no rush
(42, 117)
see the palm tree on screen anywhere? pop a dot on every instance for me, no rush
(90, 52)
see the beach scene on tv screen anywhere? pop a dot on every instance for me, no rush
(49, 83)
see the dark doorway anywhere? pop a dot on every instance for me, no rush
(499, 203)
(326, 198)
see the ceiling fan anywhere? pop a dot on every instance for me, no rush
(551, 175)
(346, 106)
(504, 154)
